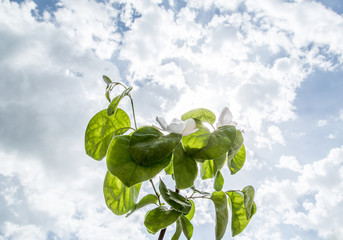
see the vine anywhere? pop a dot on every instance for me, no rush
(135, 155)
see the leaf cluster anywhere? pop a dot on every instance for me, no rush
(135, 155)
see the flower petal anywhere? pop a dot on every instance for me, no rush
(190, 125)
(176, 126)
(225, 118)
(162, 123)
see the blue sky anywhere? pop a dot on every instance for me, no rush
(276, 64)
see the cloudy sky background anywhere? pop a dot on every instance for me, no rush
(276, 64)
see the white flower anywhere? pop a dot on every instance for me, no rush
(225, 118)
(177, 126)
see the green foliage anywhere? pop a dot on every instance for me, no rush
(175, 200)
(219, 143)
(222, 214)
(146, 200)
(185, 168)
(242, 205)
(101, 129)
(201, 114)
(136, 155)
(236, 163)
(119, 198)
(218, 182)
(122, 165)
(148, 145)
(160, 218)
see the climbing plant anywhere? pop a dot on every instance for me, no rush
(137, 154)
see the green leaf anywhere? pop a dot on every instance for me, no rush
(218, 181)
(206, 169)
(196, 141)
(169, 169)
(249, 194)
(237, 162)
(187, 227)
(174, 199)
(239, 217)
(220, 203)
(190, 215)
(219, 143)
(100, 131)
(218, 163)
(106, 79)
(185, 168)
(146, 200)
(236, 145)
(148, 145)
(121, 164)
(112, 107)
(119, 198)
(160, 218)
(178, 230)
(201, 114)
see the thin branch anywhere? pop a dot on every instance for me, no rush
(156, 193)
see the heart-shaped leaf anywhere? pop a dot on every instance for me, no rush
(148, 145)
(201, 114)
(100, 131)
(121, 164)
(175, 200)
(219, 142)
(239, 217)
(119, 198)
(196, 141)
(222, 214)
(206, 169)
(160, 218)
(185, 168)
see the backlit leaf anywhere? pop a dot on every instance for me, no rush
(206, 169)
(218, 182)
(119, 198)
(249, 194)
(237, 162)
(201, 114)
(239, 218)
(121, 164)
(101, 129)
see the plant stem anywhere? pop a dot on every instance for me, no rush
(133, 111)
(156, 193)
(163, 231)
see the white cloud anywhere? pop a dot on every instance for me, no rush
(289, 162)
(250, 60)
(322, 123)
(311, 202)
(274, 135)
